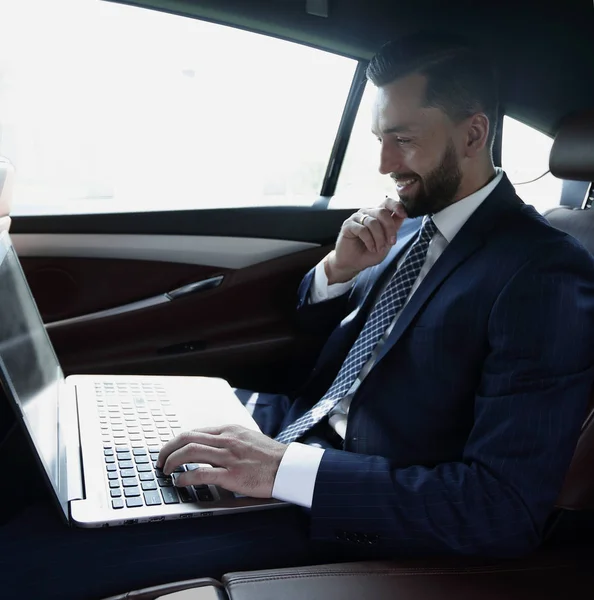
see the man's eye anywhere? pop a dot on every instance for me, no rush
(403, 140)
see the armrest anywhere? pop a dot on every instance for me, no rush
(542, 576)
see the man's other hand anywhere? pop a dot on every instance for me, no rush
(243, 461)
(364, 240)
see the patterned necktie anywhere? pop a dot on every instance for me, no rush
(383, 313)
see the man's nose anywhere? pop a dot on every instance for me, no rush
(390, 160)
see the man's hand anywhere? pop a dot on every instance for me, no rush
(243, 461)
(364, 240)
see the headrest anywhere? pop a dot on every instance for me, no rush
(572, 154)
(6, 181)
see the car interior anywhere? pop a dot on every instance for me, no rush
(207, 286)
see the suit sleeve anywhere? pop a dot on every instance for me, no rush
(529, 407)
(320, 290)
(319, 318)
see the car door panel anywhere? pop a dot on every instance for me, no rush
(66, 288)
(106, 307)
(248, 317)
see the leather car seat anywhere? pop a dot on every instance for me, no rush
(6, 183)
(572, 157)
(546, 575)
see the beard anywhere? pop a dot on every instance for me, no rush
(437, 189)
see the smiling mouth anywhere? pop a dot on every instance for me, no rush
(403, 184)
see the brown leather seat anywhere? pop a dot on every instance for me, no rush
(6, 182)
(578, 489)
(546, 575)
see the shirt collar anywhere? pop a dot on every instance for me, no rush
(450, 220)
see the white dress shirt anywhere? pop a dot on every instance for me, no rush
(295, 479)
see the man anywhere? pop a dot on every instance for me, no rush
(460, 403)
(444, 408)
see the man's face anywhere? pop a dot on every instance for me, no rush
(418, 147)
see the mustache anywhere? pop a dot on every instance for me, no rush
(397, 176)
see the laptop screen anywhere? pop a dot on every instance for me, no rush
(29, 370)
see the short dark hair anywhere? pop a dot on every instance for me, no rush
(461, 78)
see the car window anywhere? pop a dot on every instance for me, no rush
(525, 158)
(360, 183)
(105, 107)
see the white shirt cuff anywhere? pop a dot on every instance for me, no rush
(320, 290)
(296, 477)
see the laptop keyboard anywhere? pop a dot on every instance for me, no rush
(136, 420)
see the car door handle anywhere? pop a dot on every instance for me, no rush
(198, 286)
(181, 292)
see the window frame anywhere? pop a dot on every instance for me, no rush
(343, 135)
(498, 141)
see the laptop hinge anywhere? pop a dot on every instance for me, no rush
(70, 441)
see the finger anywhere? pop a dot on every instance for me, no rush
(214, 430)
(380, 236)
(203, 436)
(195, 453)
(203, 476)
(363, 234)
(358, 217)
(395, 207)
(390, 225)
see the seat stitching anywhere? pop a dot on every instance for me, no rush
(393, 573)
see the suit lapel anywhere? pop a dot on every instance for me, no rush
(469, 240)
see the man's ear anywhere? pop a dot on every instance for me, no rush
(477, 134)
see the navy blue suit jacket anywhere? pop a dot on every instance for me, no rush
(459, 438)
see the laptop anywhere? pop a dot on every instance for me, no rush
(96, 438)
